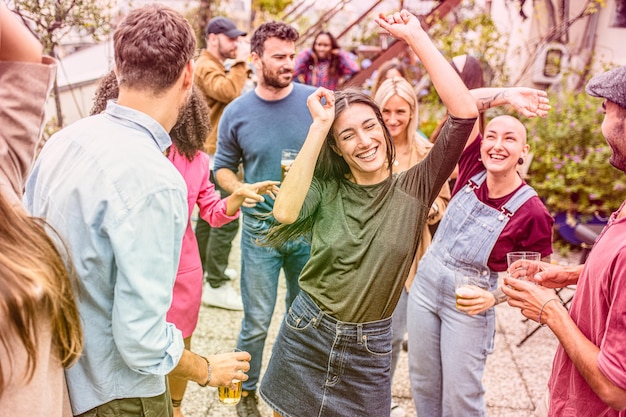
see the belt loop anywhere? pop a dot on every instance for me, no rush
(318, 319)
(359, 333)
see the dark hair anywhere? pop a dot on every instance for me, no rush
(334, 61)
(268, 30)
(35, 290)
(472, 72)
(107, 89)
(331, 167)
(191, 128)
(381, 75)
(152, 46)
(472, 75)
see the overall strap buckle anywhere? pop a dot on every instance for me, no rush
(504, 213)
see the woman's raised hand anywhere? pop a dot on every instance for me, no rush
(400, 24)
(322, 106)
(528, 101)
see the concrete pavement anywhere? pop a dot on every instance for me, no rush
(515, 377)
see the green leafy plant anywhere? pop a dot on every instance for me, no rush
(570, 169)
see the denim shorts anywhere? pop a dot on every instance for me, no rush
(324, 367)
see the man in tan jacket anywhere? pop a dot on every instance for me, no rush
(220, 87)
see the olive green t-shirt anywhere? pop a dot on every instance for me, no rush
(364, 237)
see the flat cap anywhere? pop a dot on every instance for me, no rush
(610, 85)
(225, 26)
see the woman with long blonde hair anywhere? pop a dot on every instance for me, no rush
(400, 109)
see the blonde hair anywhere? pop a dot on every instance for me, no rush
(35, 287)
(400, 87)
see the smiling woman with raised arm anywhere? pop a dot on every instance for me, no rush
(332, 356)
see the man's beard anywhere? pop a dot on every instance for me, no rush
(226, 53)
(274, 80)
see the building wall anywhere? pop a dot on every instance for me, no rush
(527, 35)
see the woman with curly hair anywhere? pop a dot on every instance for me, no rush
(325, 64)
(186, 154)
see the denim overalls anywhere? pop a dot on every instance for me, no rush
(447, 348)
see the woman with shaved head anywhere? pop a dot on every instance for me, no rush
(492, 212)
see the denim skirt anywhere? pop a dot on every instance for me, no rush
(324, 367)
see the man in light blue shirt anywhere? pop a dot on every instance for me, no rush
(104, 184)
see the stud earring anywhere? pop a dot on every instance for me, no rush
(520, 161)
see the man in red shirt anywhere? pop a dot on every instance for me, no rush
(589, 370)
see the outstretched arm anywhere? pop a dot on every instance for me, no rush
(526, 101)
(253, 192)
(451, 89)
(296, 185)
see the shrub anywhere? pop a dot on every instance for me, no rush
(570, 170)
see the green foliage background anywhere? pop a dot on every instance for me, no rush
(570, 169)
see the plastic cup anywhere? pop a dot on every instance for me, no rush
(466, 281)
(227, 395)
(518, 263)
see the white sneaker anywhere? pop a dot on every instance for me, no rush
(397, 410)
(221, 297)
(230, 273)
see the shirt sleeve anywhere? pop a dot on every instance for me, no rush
(612, 358)
(425, 179)
(312, 200)
(229, 153)
(25, 88)
(469, 164)
(212, 207)
(146, 259)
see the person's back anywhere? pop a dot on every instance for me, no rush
(105, 186)
(100, 190)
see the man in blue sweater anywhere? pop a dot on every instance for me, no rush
(253, 130)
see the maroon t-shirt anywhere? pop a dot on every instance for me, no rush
(529, 229)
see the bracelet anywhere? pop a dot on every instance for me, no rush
(542, 307)
(209, 372)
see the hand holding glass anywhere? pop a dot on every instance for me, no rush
(467, 282)
(523, 265)
(230, 395)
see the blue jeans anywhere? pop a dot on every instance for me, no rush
(327, 368)
(260, 269)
